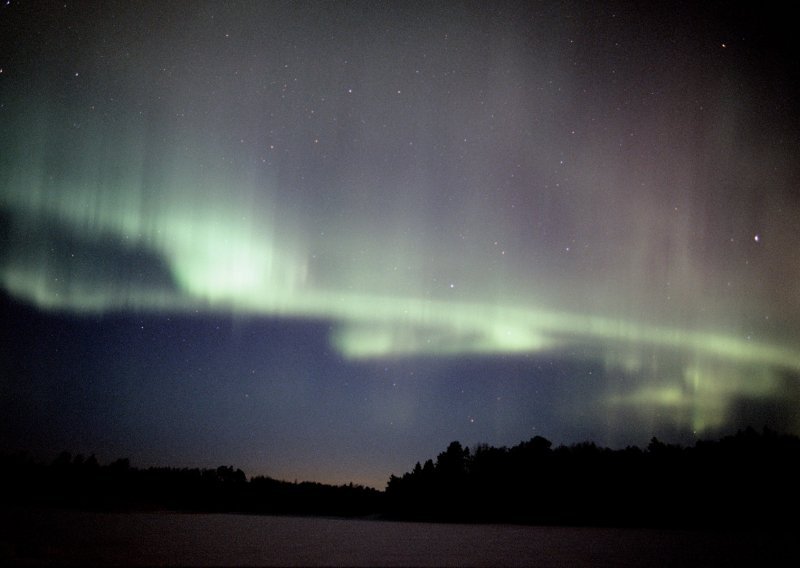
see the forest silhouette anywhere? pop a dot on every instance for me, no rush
(82, 483)
(747, 479)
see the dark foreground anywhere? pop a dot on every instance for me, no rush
(60, 537)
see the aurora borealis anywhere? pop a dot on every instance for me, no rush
(322, 240)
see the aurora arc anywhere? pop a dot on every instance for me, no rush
(221, 263)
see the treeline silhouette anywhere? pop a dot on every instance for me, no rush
(79, 482)
(748, 479)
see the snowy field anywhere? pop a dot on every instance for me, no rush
(70, 538)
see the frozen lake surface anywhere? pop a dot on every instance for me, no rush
(37, 537)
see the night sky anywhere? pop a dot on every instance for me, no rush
(323, 240)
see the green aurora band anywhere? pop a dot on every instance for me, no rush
(212, 254)
(221, 260)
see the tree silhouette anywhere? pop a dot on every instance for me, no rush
(740, 480)
(747, 479)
